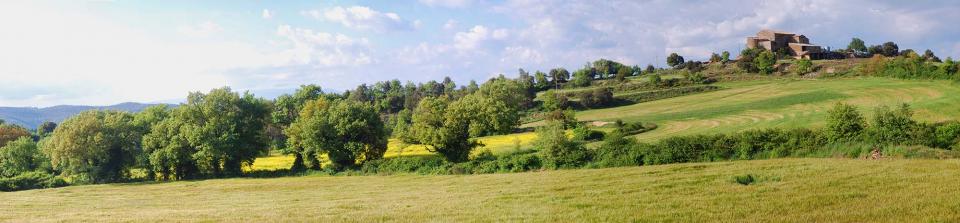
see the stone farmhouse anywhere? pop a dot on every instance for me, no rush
(797, 46)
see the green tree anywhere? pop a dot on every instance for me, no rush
(559, 75)
(623, 72)
(765, 61)
(857, 46)
(45, 129)
(344, 130)
(582, 78)
(286, 110)
(674, 59)
(554, 101)
(95, 146)
(650, 69)
(890, 49)
(228, 128)
(444, 128)
(170, 153)
(844, 122)
(542, 82)
(725, 57)
(929, 56)
(714, 58)
(21, 156)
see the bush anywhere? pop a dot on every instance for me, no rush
(31, 180)
(406, 164)
(744, 179)
(584, 133)
(600, 97)
(844, 122)
(557, 151)
(616, 151)
(892, 126)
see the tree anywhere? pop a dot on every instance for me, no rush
(95, 146)
(10, 132)
(623, 72)
(929, 56)
(725, 57)
(746, 62)
(559, 75)
(554, 101)
(803, 66)
(170, 153)
(45, 129)
(582, 78)
(542, 82)
(21, 156)
(344, 130)
(764, 62)
(674, 59)
(229, 129)
(599, 97)
(844, 122)
(890, 49)
(650, 69)
(714, 58)
(857, 46)
(557, 150)
(286, 110)
(444, 128)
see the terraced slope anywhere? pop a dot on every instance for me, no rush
(786, 190)
(782, 103)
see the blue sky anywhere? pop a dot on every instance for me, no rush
(101, 52)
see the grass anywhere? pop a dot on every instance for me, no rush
(782, 103)
(782, 190)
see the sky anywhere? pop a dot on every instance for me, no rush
(102, 52)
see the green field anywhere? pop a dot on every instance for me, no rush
(782, 103)
(792, 190)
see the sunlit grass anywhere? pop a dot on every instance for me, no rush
(783, 190)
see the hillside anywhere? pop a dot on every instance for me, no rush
(30, 117)
(782, 103)
(834, 190)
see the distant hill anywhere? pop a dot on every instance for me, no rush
(30, 117)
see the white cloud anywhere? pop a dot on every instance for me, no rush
(447, 3)
(363, 18)
(267, 14)
(473, 38)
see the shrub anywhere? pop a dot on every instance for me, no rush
(584, 133)
(744, 179)
(803, 66)
(892, 126)
(31, 180)
(557, 151)
(406, 164)
(844, 122)
(617, 150)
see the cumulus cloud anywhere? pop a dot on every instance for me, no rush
(475, 37)
(363, 18)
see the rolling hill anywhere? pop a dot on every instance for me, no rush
(32, 117)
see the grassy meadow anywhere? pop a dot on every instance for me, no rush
(789, 190)
(782, 103)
